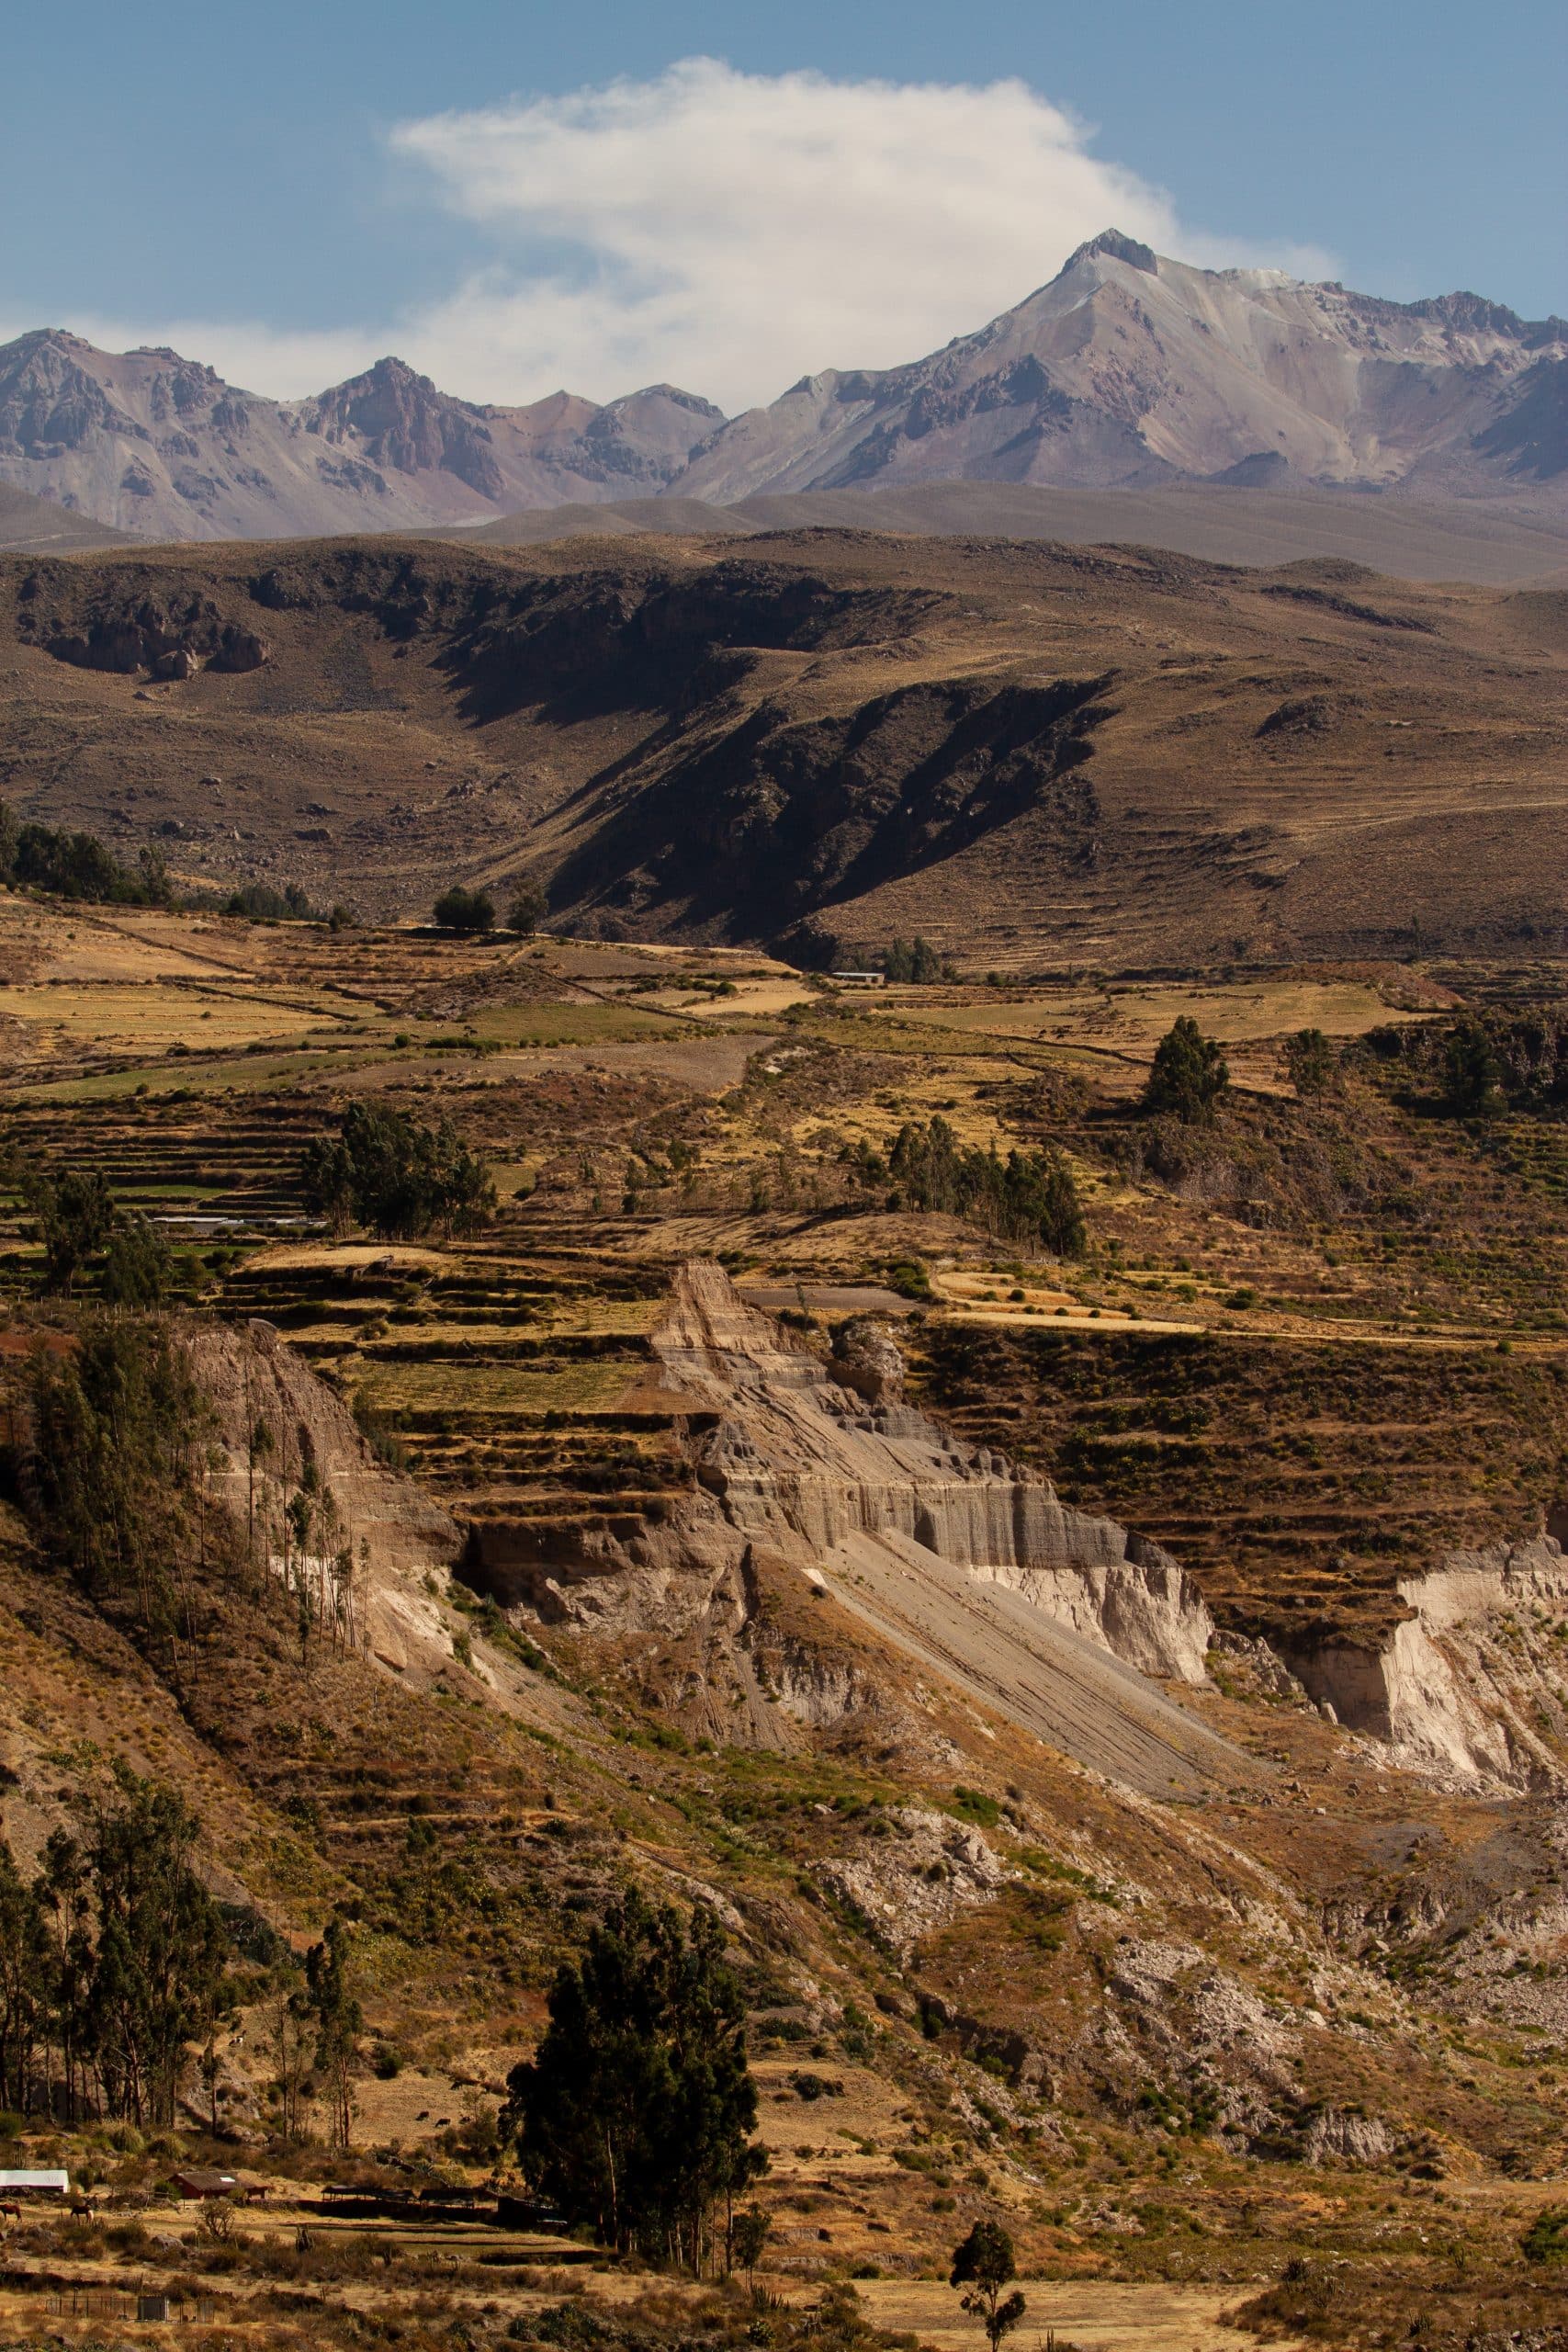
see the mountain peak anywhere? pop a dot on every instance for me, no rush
(1116, 247)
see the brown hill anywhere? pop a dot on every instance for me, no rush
(1028, 753)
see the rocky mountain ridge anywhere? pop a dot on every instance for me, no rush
(1126, 370)
(160, 447)
(1132, 370)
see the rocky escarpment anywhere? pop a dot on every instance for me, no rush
(390, 1534)
(119, 624)
(1469, 1686)
(822, 810)
(966, 1564)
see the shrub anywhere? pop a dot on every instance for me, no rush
(1189, 1073)
(465, 910)
(527, 910)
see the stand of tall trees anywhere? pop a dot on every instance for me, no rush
(635, 2114)
(77, 866)
(115, 1460)
(113, 1470)
(395, 1175)
(1029, 1197)
(113, 1965)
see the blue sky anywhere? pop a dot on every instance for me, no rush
(292, 188)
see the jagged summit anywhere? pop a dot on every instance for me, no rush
(158, 444)
(1131, 370)
(1116, 247)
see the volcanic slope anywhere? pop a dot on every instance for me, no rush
(1021, 751)
(1134, 368)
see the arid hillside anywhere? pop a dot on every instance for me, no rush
(1112, 1699)
(1037, 756)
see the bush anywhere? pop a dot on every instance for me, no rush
(1546, 2239)
(1189, 1073)
(391, 1173)
(465, 910)
(529, 908)
(1472, 1072)
(1311, 1063)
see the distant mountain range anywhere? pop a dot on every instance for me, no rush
(1127, 371)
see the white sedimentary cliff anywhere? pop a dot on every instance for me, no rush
(1466, 1685)
(969, 1566)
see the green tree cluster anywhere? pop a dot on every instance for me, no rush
(1189, 1074)
(913, 960)
(1029, 1197)
(113, 1964)
(394, 1174)
(467, 910)
(635, 2114)
(84, 1232)
(259, 902)
(68, 864)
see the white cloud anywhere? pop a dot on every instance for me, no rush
(733, 232)
(728, 231)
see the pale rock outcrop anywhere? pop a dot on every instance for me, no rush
(397, 1537)
(1340, 2134)
(967, 1563)
(927, 1869)
(795, 1457)
(1456, 1690)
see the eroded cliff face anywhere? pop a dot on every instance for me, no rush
(1468, 1684)
(787, 1458)
(400, 1543)
(968, 1565)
